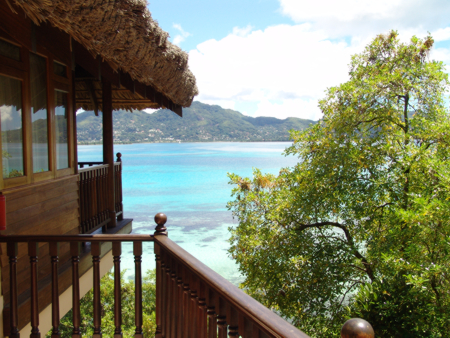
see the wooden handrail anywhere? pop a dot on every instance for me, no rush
(191, 299)
(90, 164)
(77, 238)
(270, 322)
(74, 240)
(93, 168)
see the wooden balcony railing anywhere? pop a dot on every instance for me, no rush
(192, 301)
(94, 193)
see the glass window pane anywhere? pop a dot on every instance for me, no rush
(11, 125)
(59, 69)
(38, 86)
(62, 146)
(9, 50)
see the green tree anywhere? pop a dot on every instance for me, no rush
(107, 310)
(360, 226)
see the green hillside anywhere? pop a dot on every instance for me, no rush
(200, 123)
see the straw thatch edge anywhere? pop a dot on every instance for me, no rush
(124, 34)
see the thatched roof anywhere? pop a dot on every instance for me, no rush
(88, 95)
(122, 33)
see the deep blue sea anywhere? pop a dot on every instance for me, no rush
(188, 182)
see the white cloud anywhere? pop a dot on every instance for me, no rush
(368, 17)
(242, 31)
(441, 34)
(150, 110)
(282, 71)
(179, 38)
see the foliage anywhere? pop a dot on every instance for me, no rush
(360, 226)
(12, 173)
(5, 154)
(107, 303)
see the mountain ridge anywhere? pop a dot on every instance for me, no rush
(200, 123)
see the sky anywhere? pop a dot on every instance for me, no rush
(278, 57)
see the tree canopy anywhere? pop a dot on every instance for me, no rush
(360, 226)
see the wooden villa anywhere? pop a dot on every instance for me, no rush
(64, 220)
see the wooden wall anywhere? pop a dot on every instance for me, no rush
(49, 207)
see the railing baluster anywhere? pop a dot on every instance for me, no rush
(137, 251)
(211, 312)
(174, 308)
(163, 296)
(76, 319)
(117, 251)
(169, 299)
(54, 254)
(13, 306)
(201, 310)
(222, 319)
(232, 316)
(186, 302)
(158, 333)
(33, 249)
(194, 308)
(180, 317)
(95, 251)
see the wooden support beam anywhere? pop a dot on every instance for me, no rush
(91, 90)
(109, 74)
(139, 89)
(127, 82)
(85, 59)
(108, 146)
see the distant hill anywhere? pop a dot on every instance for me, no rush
(200, 123)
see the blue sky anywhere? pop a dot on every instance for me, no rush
(277, 57)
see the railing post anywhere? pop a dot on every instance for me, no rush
(357, 328)
(137, 251)
(33, 249)
(118, 185)
(76, 319)
(54, 253)
(117, 251)
(11, 249)
(95, 251)
(160, 220)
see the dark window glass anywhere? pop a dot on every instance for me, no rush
(11, 126)
(39, 118)
(9, 50)
(59, 69)
(62, 145)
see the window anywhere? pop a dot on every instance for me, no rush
(39, 115)
(61, 126)
(9, 50)
(11, 126)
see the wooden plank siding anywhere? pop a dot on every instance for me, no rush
(48, 207)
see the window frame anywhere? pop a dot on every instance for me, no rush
(20, 70)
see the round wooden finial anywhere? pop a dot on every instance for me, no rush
(160, 220)
(119, 159)
(357, 328)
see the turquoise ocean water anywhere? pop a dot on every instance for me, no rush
(188, 182)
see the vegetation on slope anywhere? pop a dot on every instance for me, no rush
(200, 123)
